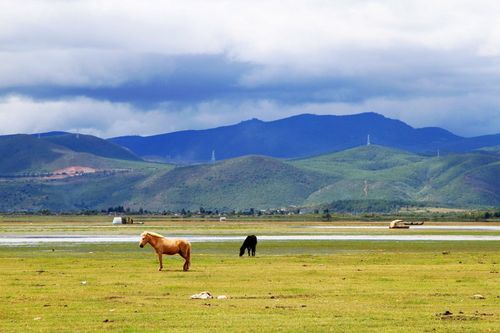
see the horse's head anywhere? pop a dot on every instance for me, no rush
(144, 239)
(242, 250)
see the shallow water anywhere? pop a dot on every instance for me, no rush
(35, 240)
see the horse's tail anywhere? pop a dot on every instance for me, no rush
(187, 256)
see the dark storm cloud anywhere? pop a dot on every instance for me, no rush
(185, 79)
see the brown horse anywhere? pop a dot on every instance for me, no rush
(164, 245)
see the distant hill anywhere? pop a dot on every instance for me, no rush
(245, 182)
(491, 149)
(366, 173)
(28, 164)
(22, 153)
(357, 161)
(375, 172)
(469, 144)
(299, 136)
(89, 144)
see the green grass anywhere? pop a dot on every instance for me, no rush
(341, 286)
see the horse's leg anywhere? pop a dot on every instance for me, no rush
(187, 264)
(253, 251)
(185, 267)
(248, 251)
(186, 254)
(160, 259)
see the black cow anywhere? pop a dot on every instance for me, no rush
(249, 244)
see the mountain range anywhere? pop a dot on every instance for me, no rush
(298, 136)
(72, 172)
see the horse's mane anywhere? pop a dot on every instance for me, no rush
(151, 233)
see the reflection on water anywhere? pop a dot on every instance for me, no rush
(27, 240)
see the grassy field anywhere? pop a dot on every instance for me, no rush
(318, 286)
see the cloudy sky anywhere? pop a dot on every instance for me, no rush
(111, 68)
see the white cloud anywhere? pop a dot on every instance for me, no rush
(81, 42)
(20, 114)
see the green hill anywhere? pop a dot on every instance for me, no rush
(246, 182)
(368, 173)
(464, 180)
(374, 172)
(90, 144)
(492, 150)
(24, 153)
(109, 188)
(29, 155)
(28, 161)
(364, 158)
